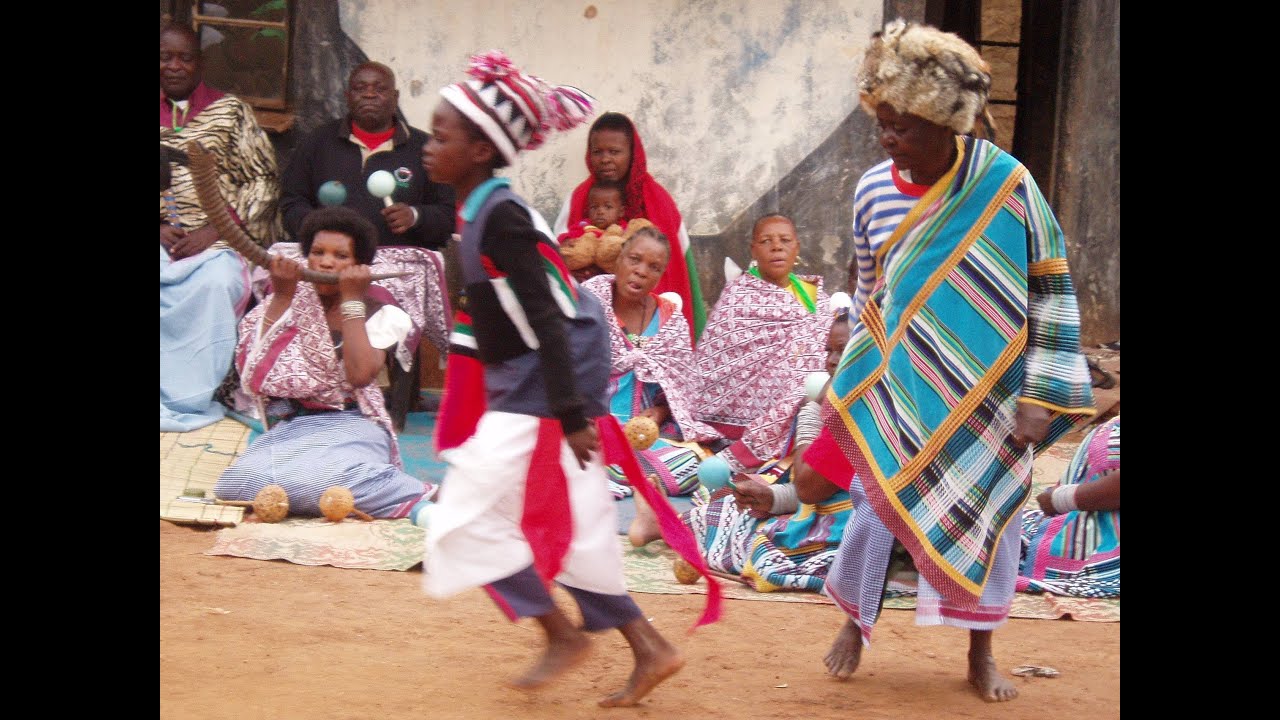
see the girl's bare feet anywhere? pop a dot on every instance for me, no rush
(567, 646)
(656, 660)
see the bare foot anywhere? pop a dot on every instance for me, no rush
(651, 670)
(846, 652)
(644, 528)
(991, 685)
(560, 656)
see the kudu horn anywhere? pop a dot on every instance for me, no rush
(204, 175)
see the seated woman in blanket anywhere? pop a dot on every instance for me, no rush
(651, 369)
(765, 334)
(771, 529)
(309, 355)
(1071, 532)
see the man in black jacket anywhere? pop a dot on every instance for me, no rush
(349, 149)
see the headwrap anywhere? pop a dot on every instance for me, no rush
(647, 199)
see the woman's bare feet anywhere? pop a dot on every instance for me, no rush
(561, 655)
(656, 660)
(983, 675)
(846, 652)
(990, 684)
(644, 529)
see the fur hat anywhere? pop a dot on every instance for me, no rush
(920, 70)
(515, 110)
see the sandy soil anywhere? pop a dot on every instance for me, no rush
(249, 639)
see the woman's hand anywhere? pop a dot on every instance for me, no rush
(1030, 424)
(584, 442)
(752, 493)
(353, 282)
(285, 274)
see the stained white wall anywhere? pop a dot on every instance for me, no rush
(728, 95)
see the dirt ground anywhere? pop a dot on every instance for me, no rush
(249, 639)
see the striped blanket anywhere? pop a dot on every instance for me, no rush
(974, 312)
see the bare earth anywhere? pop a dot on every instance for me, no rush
(250, 639)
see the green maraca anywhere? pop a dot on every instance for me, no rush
(332, 193)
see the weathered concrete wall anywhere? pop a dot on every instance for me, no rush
(745, 107)
(1085, 189)
(730, 96)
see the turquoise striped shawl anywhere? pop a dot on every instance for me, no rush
(974, 310)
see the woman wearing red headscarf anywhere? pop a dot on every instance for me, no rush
(614, 152)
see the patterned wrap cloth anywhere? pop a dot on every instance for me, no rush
(790, 551)
(1076, 553)
(759, 344)
(421, 294)
(295, 358)
(665, 359)
(330, 444)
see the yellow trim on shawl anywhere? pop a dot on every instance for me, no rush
(962, 249)
(1058, 408)
(930, 450)
(958, 415)
(1052, 266)
(874, 324)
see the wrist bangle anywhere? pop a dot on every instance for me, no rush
(352, 310)
(1064, 498)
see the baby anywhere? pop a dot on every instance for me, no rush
(605, 202)
(589, 248)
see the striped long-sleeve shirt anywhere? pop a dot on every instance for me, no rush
(880, 202)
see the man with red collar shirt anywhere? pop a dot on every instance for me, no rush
(349, 149)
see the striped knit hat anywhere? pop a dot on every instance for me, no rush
(516, 111)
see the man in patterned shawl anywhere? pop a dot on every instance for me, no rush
(204, 284)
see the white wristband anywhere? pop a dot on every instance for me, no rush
(1064, 498)
(414, 210)
(784, 498)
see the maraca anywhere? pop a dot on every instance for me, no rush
(337, 502)
(332, 193)
(271, 504)
(419, 516)
(641, 432)
(381, 184)
(714, 473)
(813, 384)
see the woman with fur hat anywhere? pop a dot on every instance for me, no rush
(966, 359)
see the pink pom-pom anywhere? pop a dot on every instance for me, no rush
(491, 66)
(568, 107)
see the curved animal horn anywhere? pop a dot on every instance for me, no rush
(204, 175)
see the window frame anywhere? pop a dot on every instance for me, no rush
(282, 104)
